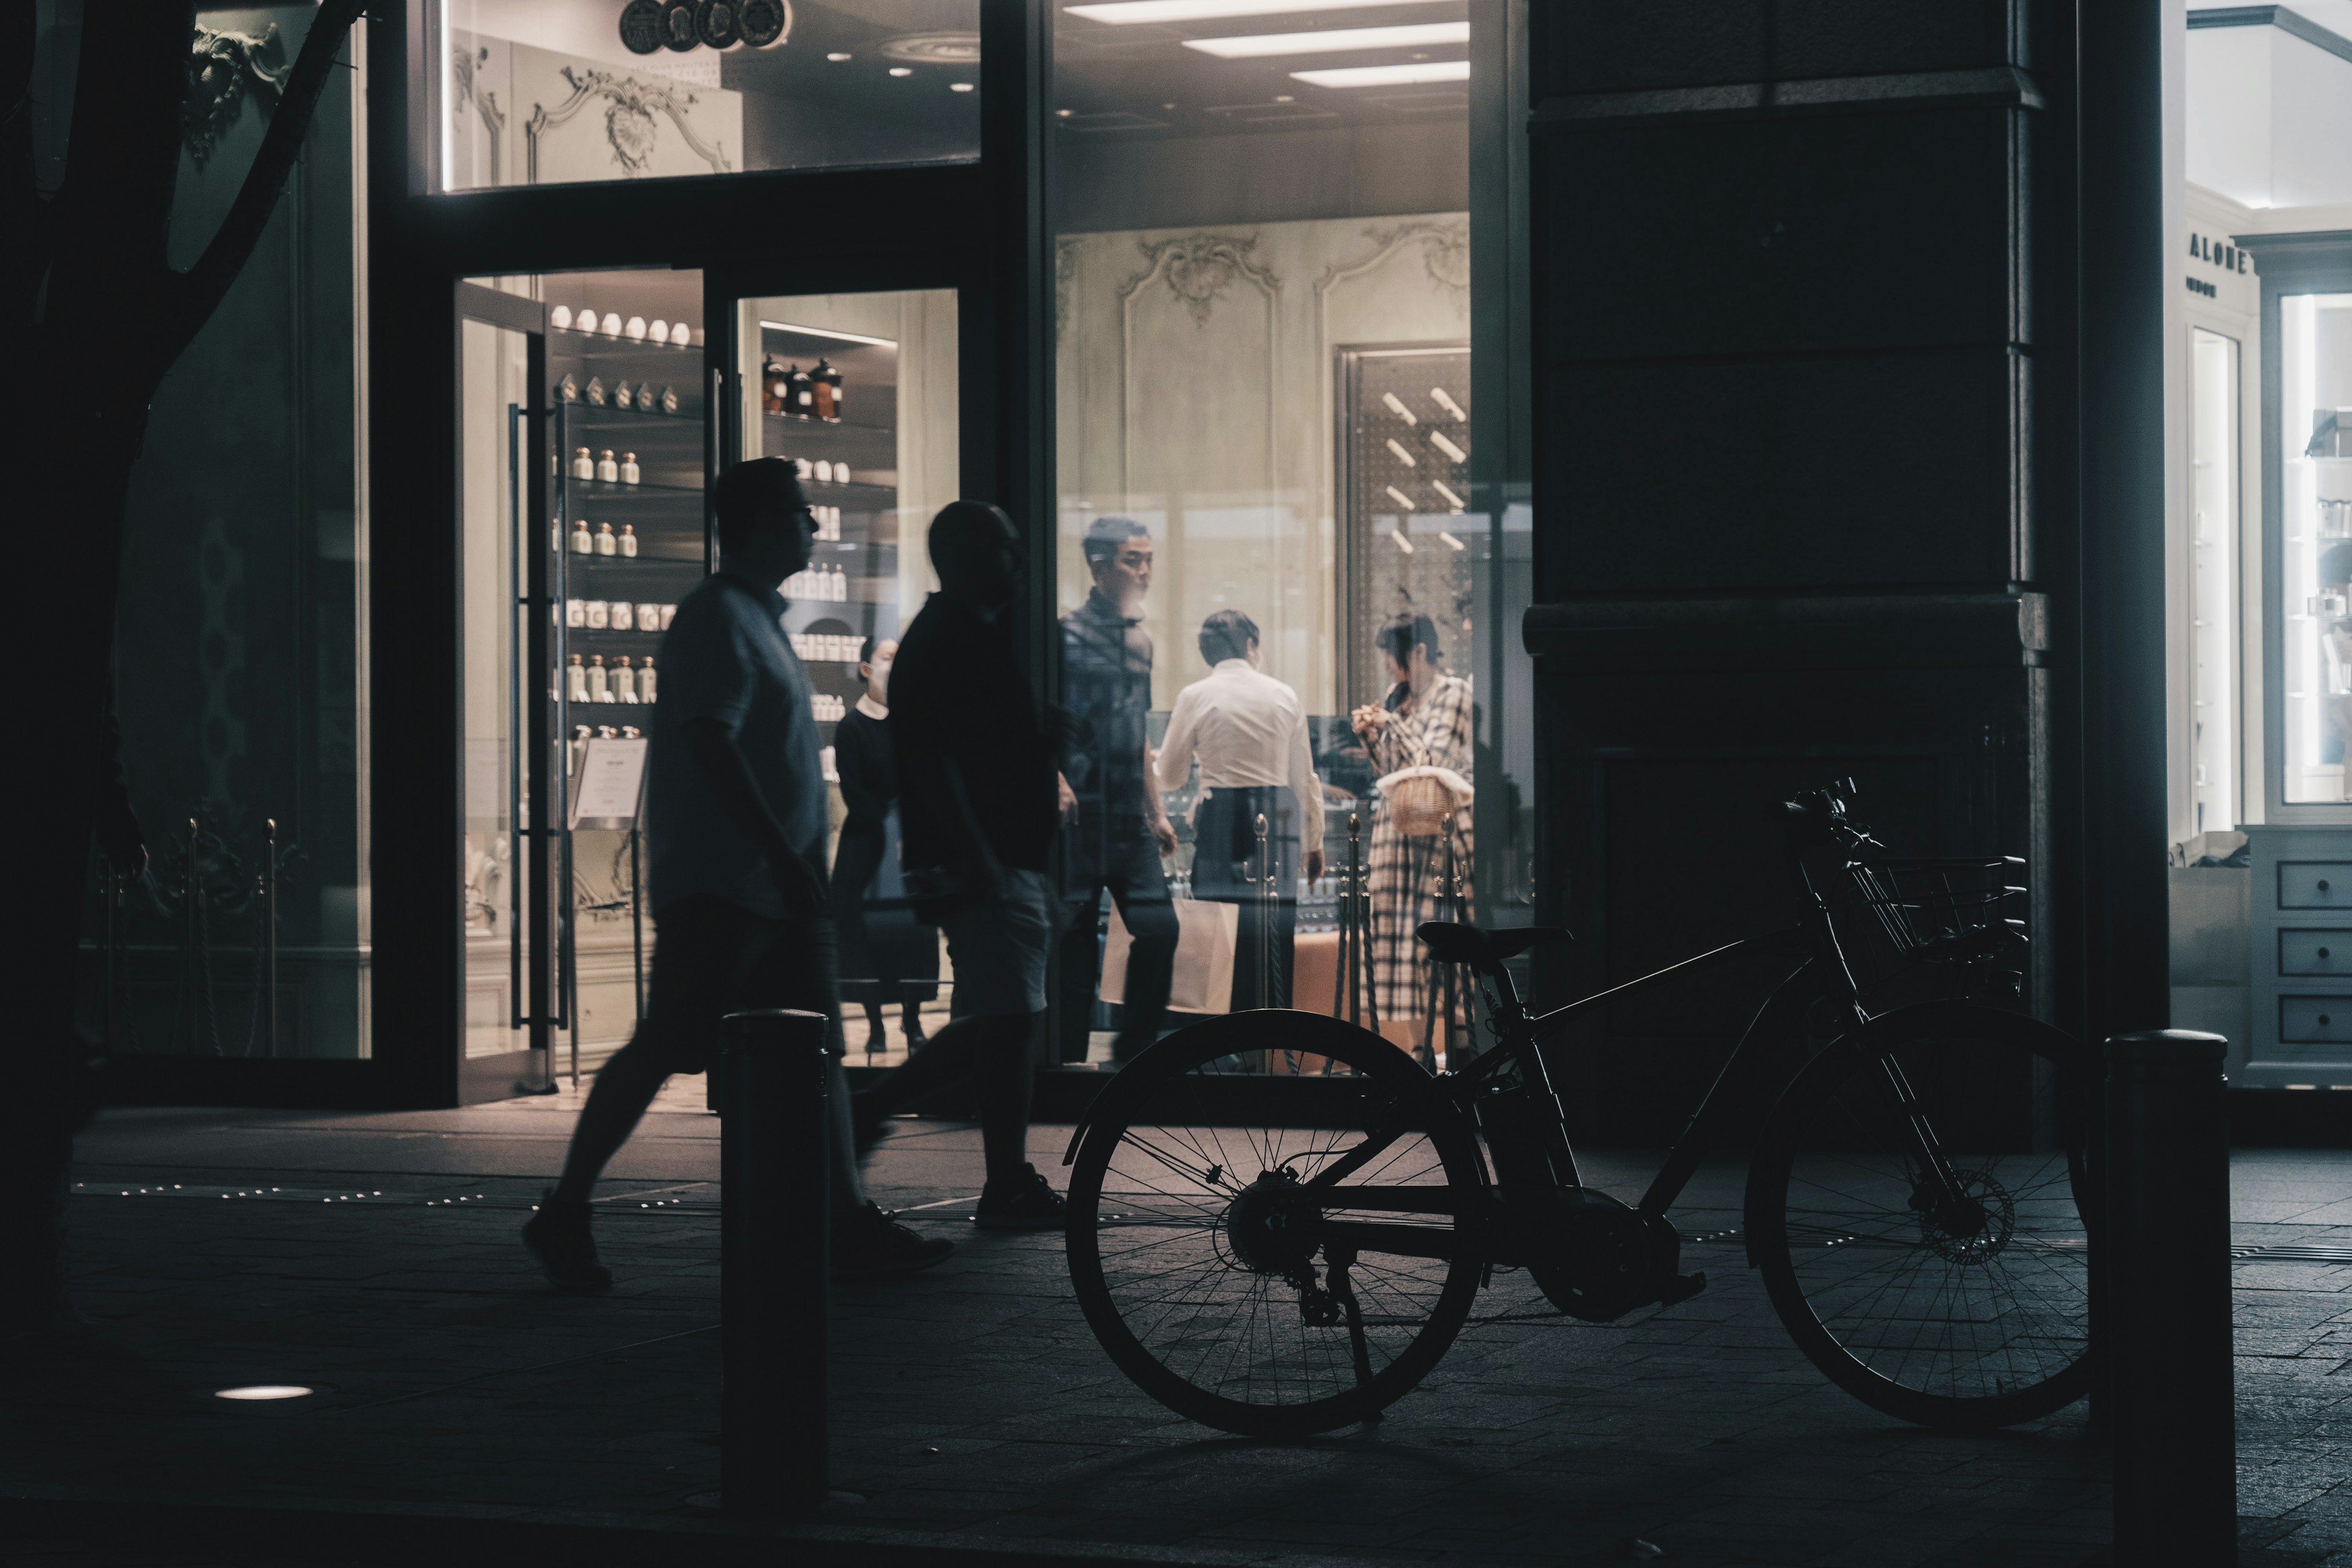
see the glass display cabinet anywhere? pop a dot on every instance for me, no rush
(2300, 857)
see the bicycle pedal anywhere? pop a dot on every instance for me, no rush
(1684, 1288)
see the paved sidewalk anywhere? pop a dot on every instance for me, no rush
(372, 1259)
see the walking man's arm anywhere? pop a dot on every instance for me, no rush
(715, 752)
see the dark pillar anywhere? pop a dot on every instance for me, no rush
(774, 1274)
(1808, 497)
(2161, 1290)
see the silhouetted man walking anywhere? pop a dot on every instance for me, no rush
(979, 807)
(735, 821)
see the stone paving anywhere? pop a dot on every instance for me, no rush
(372, 1259)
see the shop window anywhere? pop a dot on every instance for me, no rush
(529, 92)
(1268, 454)
(2214, 485)
(2316, 544)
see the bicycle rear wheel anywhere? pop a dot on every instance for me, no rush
(1970, 1315)
(1227, 1285)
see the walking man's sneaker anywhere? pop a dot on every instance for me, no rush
(1028, 1202)
(870, 1241)
(558, 1236)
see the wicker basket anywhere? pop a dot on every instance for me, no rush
(1419, 806)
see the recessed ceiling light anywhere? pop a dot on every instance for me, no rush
(1257, 45)
(263, 1391)
(959, 87)
(836, 58)
(1386, 76)
(902, 70)
(1284, 98)
(1128, 12)
(1064, 113)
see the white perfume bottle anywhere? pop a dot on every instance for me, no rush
(680, 336)
(559, 317)
(628, 541)
(583, 542)
(600, 615)
(599, 689)
(669, 614)
(645, 680)
(612, 323)
(623, 613)
(840, 586)
(605, 543)
(658, 332)
(823, 471)
(649, 617)
(607, 471)
(585, 319)
(583, 466)
(807, 469)
(630, 473)
(637, 329)
(575, 680)
(624, 682)
(575, 613)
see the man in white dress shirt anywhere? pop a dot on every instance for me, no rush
(1249, 731)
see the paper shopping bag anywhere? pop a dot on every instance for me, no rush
(1203, 977)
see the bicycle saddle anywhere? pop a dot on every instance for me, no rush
(1484, 951)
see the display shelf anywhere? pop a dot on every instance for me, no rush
(586, 411)
(640, 560)
(615, 490)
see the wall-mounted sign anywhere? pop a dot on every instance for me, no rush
(2219, 253)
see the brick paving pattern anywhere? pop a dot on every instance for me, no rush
(373, 1258)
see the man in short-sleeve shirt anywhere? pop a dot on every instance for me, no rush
(734, 824)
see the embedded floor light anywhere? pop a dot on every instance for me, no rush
(902, 70)
(837, 58)
(1128, 12)
(959, 87)
(1386, 76)
(263, 1391)
(1259, 46)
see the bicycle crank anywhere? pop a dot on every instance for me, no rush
(1595, 1258)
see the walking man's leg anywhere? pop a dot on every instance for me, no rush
(1139, 888)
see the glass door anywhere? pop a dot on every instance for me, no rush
(587, 447)
(2314, 558)
(2214, 484)
(501, 871)
(859, 391)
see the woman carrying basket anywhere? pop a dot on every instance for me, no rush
(1419, 738)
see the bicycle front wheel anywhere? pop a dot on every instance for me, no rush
(1966, 1310)
(1223, 1276)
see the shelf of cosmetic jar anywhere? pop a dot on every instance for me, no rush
(642, 559)
(583, 411)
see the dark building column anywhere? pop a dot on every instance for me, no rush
(1842, 469)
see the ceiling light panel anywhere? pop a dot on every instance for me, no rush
(1386, 76)
(1336, 41)
(1130, 13)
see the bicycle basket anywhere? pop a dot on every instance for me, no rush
(1945, 911)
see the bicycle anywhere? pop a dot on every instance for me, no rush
(1915, 1200)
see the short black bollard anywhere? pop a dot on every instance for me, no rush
(2162, 1293)
(775, 1275)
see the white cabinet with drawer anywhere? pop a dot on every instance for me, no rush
(2301, 923)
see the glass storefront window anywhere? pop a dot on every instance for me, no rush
(534, 92)
(2316, 544)
(2213, 486)
(860, 392)
(1265, 441)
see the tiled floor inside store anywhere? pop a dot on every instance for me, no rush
(372, 1259)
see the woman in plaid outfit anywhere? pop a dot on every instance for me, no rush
(1424, 721)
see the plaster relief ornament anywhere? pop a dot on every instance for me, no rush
(764, 22)
(717, 23)
(223, 68)
(1198, 268)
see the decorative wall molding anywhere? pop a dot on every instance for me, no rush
(485, 103)
(224, 68)
(1444, 252)
(1198, 268)
(1065, 279)
(629, 125)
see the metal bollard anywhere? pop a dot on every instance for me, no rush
(774, 1262)
(2161, 1299)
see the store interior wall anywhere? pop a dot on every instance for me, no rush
(238, 632)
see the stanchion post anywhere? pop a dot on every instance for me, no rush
(775, 1272)
(2160, 1293)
